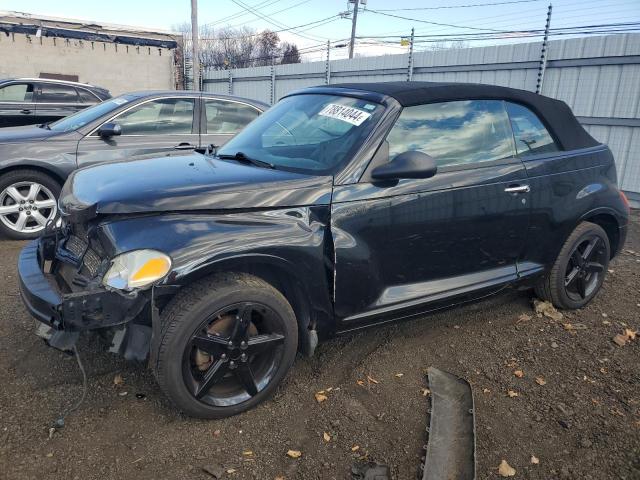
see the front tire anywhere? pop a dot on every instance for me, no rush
(226, 343)
(28, 200)
(578, 273)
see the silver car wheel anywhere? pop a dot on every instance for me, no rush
(26, 207)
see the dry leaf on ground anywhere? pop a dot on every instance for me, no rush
(326, 437)
(247, 453)
(486, 390)
(425, 392)
(630, 334)
(294, 453)
(523, 318)
(399, 375)
(535, 460)
(355, 448)
(320, 397)
(546, 309)
(541, 381)
(512, 394)
(620, 340)
(360, 382)
(118, 380)
(372, 380)
(506, 470)
(519, 373)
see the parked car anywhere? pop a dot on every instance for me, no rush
(35, 161)
(29, 101)
(341, 207)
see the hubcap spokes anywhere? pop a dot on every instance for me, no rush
(585, 267)
(231, 354)
(26, 207)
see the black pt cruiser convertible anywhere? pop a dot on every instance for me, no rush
(341, 207)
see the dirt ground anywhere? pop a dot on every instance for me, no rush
(583, 423)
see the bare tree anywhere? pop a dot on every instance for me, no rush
(228, 47)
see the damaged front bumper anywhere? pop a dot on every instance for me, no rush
(66, 308)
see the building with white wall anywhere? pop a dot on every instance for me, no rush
(119, 58)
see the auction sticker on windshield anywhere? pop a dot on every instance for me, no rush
(351, 115)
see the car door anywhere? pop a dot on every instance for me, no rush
(404, 246)
(223, 118)
(17, 104)
(150, 128)
(55, 101)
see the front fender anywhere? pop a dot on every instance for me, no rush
(289, 242)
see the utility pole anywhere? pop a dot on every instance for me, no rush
(328, 64)
(195, 58)
(410, 69)
(353, 27)
(543, 54)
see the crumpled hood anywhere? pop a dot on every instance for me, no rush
(187, 183)
(30, 133)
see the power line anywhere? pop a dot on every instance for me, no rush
(274, 22)
(423, 21)
(272, 13)
(334, 17)
(263, 4)
(455, 6)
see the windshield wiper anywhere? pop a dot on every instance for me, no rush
(241, 157)
(45, 125)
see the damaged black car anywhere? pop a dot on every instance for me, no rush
(341, 207)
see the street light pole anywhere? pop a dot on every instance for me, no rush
(353, 27)
(195, 58)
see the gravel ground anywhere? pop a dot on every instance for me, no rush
(583, 423)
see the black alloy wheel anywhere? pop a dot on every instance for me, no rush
(585, 268)
(233, 354)
(226, 343)
(579, 270)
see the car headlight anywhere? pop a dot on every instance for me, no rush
(135, 269)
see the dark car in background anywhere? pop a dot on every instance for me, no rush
(29, 101)
(35, 160)
(341, 207)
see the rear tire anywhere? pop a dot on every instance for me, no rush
(578, 273)
(28, 200)
(202, 331)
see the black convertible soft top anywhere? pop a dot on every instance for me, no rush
(555, 114)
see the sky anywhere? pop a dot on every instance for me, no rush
(165, 14)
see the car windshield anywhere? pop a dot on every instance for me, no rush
(88, 115)
(313, 134)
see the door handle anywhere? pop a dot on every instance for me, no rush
(184, 146)
(518, 189)
(25, 111)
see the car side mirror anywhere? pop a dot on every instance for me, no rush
(411, 164)
(109, 129)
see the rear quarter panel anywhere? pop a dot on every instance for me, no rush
(567, 188)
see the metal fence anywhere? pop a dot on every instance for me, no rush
(599, 77)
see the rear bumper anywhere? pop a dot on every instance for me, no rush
(76, 311)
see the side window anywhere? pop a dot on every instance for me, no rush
(166, 116)
(87, 97)
(530, 135)
(51, 93)
(454, 133)
(17, 92)
(228, 117)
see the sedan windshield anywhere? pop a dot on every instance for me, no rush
(313, 134)
(88, 115)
